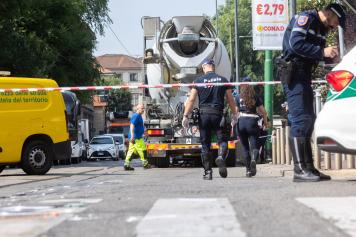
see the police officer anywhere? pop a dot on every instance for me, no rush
(211, 106)
(250, 107)
(304, 46)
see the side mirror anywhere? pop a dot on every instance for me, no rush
(117, 143)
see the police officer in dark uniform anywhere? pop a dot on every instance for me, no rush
(303, 47)
(211, 106)
(250, 107)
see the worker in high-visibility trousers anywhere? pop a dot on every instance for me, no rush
(137, 144)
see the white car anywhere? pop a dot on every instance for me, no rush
(119, 139)
(335, 126)
(77, 151)
(102, 147)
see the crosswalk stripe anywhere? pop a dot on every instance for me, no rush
(187, 217)
(340, 210)
(30, 221)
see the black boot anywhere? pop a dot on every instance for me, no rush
(220, 161)
(208, 175)
(128, 168)
(301, 174)
(254, 162)
(248, 165)
(206, 159)
(310, 163)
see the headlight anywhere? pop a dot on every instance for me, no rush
(111, 148)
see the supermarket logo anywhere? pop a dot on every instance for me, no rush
(261, 28)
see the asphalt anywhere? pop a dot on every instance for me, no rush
(101, 199)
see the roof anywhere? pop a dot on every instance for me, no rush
(114, 62)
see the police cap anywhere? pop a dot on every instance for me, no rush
(208, 62)
(338, 10)
(246, 79)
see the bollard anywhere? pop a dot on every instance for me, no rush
(288, 152)
(317, 155)
(327, 160)
(338, 161)
(283, 146)
(274, 148)
(350, 161)
(278, 146)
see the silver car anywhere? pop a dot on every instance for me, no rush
(103, 147)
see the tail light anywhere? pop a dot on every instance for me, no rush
(339, 79)
(155, 132)
(328, 141)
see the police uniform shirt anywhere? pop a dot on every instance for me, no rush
(212, 96)
(243, 108)
(305, 37)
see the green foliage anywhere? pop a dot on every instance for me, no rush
(52, 38)
(119, 100)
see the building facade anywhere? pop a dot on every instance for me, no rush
(117, 69)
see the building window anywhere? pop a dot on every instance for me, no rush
(133, 77)
(135, 99)
(118, 76)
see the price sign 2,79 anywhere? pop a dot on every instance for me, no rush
(269, 21)
(270, 9)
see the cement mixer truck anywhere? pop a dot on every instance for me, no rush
(173, 54)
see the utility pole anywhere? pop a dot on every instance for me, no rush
(217, 17)
(237, 66)
(292, 8)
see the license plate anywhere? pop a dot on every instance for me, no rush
(100, 153)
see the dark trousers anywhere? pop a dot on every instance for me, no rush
(248, 133)
(300, 103)
(208, 123)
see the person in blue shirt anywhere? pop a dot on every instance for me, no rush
(250, 107)
(304, 45)
(137, 144)
(211, 106)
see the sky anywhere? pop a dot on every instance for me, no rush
(126, 16)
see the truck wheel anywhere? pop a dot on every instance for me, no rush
(74, 160)
(162, 162)
(152, 161)
(231, 159)
(37, 158)
(2, 167)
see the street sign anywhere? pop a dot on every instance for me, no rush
(269, 21)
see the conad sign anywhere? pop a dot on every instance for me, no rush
(269, 20)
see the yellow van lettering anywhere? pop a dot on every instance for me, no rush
(5, 100)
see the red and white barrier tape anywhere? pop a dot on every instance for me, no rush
(128, 87)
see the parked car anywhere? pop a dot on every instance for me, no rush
(77, 152)
(102, 147)
(120, 139)
(335, 126)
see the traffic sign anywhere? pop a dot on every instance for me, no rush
(269, 21)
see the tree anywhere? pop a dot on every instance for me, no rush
(118, 100)
(52, 38)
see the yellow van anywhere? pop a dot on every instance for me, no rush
(33, 125)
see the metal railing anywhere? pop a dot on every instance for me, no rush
(281, 154)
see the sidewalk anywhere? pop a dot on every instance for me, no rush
(287, 171)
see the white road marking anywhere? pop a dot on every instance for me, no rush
(339, 210)
(190, 218)
(19, 221)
